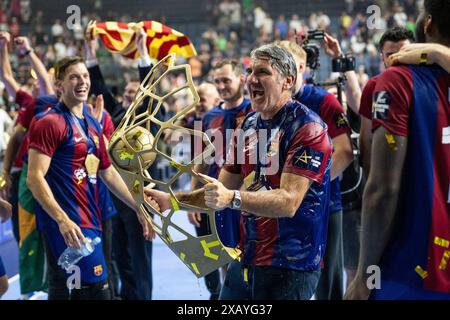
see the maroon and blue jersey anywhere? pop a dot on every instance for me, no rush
(365, 106)
(413, 101)
(299, 144)
(330, 110)
(216, 123)
(57, 135)
(26, 115)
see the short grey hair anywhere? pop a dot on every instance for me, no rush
(279, 58)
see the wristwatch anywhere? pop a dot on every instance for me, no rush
(237, 201)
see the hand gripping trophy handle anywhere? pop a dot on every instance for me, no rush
(133, 150)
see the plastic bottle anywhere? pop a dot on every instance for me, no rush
(72, 255)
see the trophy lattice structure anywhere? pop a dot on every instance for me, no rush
(133, 151)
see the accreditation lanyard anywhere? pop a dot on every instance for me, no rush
(91, 162)
(88, 139)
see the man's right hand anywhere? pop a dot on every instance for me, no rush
(90, 42)
(71, 233)
(141, 42)
(195, 218)
(5, 38)
(161, 198)
(22, 45)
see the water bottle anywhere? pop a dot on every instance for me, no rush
(72, 255)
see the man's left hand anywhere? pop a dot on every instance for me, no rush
(217, 197)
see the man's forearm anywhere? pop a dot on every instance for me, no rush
(6, 75)
(194, 198)
(377, 222)
(117, 186)
(380, 198)
(195, 182)
(365, 143)
(340, 162)
(45, 85)
(442, 58)
(43, 194)
(277, 203)
(352, 91)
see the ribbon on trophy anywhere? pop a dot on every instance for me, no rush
(133, 150)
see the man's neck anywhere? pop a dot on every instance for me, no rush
(269, 114)
(231, 104)
(76, 109)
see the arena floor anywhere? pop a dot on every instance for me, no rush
(171, 279)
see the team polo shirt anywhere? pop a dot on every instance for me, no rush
(300, 145)
(57, 135)
(332, 113)
(413, 102)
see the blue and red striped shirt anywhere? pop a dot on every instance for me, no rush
(301, 146)
(413, 101)
(56, 134)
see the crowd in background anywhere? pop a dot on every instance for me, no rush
(235, 27)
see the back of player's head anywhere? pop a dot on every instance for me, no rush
(439, 10)
(63, 64)
(236, 66)
(396, 34)
(296, 50)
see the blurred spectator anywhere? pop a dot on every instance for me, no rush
(14, 27)
(37, 19)
(14, 8)
(323, 20)
(400, 16)
(57, 29)
(281, 28)
(295, 23)
(25, 11)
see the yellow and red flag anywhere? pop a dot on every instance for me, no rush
(119, 37)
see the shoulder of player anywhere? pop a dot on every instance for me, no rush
(49, 121)
(214, 111)
(395, 74)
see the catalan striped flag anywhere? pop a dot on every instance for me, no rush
(120, 37)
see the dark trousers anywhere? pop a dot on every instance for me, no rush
(271, 283)
(107, 245)
(268, 283)
(330, 285)
(234, 287)
(57, 282)
(212, 280)
(133, 255)
(14, 201)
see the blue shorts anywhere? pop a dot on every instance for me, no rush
(92, 267)
(2, 268)
(391, 290)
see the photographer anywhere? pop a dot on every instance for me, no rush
(352, 88)
(330, 110)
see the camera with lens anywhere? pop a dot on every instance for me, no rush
(344, 63)
(312, 50)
